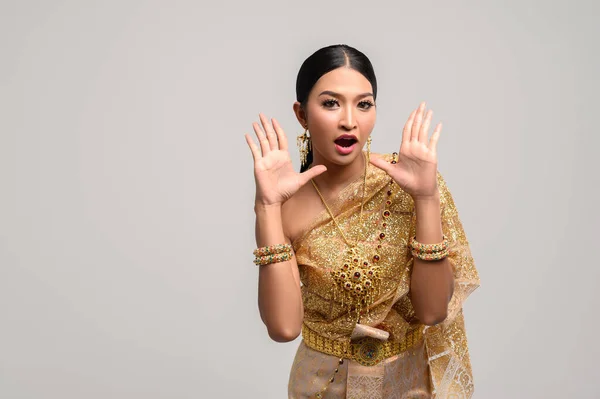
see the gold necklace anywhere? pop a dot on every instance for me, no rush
(358, 279)
(362, 202)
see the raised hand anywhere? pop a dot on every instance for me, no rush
(416, 168)
(276, 179)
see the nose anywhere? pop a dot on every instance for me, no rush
(347, 118)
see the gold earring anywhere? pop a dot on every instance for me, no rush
(369, 148)
(304, 146)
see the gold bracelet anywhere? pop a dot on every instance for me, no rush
(273, 258)
(272, 250)
(432, 256)
(429, 248)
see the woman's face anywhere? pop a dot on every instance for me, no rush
(340, 114)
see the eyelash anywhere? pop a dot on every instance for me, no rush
(330, 101)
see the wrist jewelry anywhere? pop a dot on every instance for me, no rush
(273, 258)
(272, 250)
(436, 251)
(429, 248)
(434, 256)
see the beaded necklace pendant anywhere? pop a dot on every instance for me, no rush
(358, 278)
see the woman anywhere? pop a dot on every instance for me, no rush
(364, 255)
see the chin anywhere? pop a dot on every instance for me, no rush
(345, 159)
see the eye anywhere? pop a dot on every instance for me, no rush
(366, 104)
(330, 103)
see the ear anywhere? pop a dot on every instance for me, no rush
(300, 114)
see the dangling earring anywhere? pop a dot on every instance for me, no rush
(369, 148)
(304, 146)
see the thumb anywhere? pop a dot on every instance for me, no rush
(381, 163)
(311, 173)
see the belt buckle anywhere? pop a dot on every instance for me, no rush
(367, 351)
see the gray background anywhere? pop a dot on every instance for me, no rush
(126, 195)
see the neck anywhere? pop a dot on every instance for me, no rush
(338, 176)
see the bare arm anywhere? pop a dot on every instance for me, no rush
(432, 282)
(415, 170)
(279, 296)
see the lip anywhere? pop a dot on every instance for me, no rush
(347, 136)
(346, 150)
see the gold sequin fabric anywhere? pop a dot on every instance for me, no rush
(319, 249)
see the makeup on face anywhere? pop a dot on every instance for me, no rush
(342, 114)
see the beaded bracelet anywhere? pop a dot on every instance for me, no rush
(273, 258)
(272, 250)
(429, 248)
(431, 256)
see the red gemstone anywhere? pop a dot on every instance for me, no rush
(385, 225)
(356, 274)
(388, 202)
(386, 213)
(355, 260)
(389, 192)
(382, 235)
(346, 266)
(365, 263)
(379, 246)
(376, 258)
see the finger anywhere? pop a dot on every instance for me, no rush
(381, 163)
(283, 144)
(425, 127)
(271, 136)
(407, 127)
(311, 173)
(414, 133)
(435, 138)
(262, 139)
(253, 147)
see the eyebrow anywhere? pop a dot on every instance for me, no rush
(334, 94)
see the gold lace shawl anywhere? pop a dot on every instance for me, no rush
(320, 246)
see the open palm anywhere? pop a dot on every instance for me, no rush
(416, 168)
(276, 179)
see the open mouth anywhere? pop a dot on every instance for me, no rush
(346, 141)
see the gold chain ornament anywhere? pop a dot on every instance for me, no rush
(358, 277)
(357, 280)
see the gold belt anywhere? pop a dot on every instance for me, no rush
(367, 351)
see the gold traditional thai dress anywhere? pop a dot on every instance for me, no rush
(388, 353)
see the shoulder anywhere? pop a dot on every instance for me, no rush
(374, 171)
(386, 156)
(376, 177)
(302, 206)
